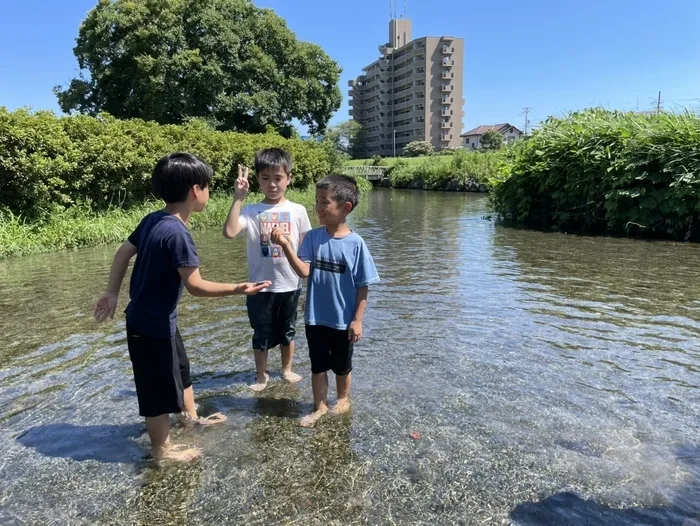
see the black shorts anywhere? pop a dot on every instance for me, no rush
(273, 317)
(161, 372)
(329, 350)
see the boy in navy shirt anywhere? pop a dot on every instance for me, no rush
(166, 258)
(340, 270)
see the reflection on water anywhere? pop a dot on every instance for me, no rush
(505, 375)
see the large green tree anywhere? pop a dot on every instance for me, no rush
(227, 61)
(492, 140)
(347, 137)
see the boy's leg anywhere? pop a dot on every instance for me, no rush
(287, 320)
(341, 361)
(260, 316)
(320, 364)
(159, 391)
(342, 383)
(189, 409)
(261, 376)
(287, 357)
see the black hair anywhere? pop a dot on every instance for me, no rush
(176, 174)
(273, 158)
(343, 189)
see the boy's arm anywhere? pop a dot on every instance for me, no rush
(107, 304)
(355, 330)
(232, 226)
(302, 269)
(197, 286)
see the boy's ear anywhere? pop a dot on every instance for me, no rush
(348, 207)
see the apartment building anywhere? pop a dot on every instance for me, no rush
(413, 92)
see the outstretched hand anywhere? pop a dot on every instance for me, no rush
(242, 183)
(278, 238)
(106, 307)
(251, 289)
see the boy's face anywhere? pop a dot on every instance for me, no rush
(201, 197)
(329, 211)
(273, 182)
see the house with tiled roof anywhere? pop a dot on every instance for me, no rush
(472, 139)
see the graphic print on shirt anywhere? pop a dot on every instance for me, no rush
(267, 222)
(337, 266)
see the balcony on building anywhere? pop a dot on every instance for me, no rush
(448, 62)
(446, 125)
(448, 50)
(447, 74)
(446, 87)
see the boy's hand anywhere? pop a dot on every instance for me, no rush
(278, 238)
(355, 331)
(251, 289)
(106, 307)
(242, 184)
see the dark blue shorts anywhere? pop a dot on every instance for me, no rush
(273, 317)
(329, 350)
(161, 372)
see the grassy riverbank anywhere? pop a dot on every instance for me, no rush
(460, 170)
(600, 171)
(79, 226)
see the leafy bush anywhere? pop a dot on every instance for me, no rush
(48, 161)
(492, 140)
(603, 171)
(436, 173)
(418, 148)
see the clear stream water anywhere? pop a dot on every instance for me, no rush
(552, 379)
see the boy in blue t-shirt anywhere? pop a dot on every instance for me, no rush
(340, 270)
(166, 258)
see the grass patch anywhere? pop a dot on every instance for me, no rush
(79, 226)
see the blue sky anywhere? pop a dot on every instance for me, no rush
(551, 55)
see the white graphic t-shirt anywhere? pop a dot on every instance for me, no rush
(267, 261)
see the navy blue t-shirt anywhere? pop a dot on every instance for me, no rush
(163, 246)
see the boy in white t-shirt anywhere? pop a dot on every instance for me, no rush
(273, 312)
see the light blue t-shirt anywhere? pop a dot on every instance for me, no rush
(339, 266)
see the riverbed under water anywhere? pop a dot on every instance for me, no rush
(506, 376)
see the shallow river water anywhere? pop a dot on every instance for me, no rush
(506, 377)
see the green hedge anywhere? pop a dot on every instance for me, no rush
(49, 162)
(601, 171)
(456, 171)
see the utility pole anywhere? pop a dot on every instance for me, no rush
(527, 120)
(658, 104)
(394, 142)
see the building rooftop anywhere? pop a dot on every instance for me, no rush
(480, 130)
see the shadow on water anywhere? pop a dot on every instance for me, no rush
(103, 443)
(569, 508)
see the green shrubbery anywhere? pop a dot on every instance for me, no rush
(80, 226)
(49, 163)
(603, 171)
(458, 171)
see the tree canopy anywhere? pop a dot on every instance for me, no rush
(491, 140)
(237, 66)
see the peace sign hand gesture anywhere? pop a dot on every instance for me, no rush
(242, 183)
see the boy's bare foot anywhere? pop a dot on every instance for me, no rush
(341, 407)
(260, 383)
(311, 419)
(180, 453)
(291, 376)
(216, 418)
